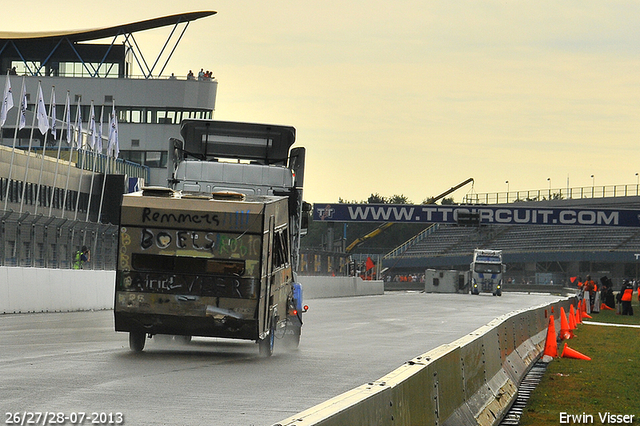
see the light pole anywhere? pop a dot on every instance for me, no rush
(549, 180)
(593, 186)
(637, 183)
(507, 182)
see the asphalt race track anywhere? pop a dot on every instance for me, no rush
(75, 363)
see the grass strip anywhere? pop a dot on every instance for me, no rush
(609, 383)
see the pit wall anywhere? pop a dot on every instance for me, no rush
(472, 381)
(328, 287)
(55, 290)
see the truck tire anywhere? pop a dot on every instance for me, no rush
(137, 340)
(291, 339)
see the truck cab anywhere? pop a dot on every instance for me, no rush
(486, 272)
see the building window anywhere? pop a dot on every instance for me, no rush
(135, 143)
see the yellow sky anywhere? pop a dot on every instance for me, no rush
(413, 97)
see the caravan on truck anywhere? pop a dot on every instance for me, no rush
(216, 254)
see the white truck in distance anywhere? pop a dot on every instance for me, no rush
(486, 271)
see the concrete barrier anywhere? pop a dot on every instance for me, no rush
(328, 287)
(472, 381)
(53, 290)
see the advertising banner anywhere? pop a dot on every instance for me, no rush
(485, 215)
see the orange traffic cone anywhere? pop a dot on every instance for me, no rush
(572, 319)
(605, 307)
(567, 352)
(565, 331)
(551, 346)
(577, 317)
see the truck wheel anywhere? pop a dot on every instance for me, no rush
(499, 292)
(266, 345)
(292, 333)
(137, 340)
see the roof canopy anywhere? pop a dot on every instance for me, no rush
(99, 33)
(42, 52)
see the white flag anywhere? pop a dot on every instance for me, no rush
(79, 125)
(53, 113)
(92, 127)
(23, 107)
(114, 147)
(7, 101)
(67, 108)
(41, 113)
(99, 135)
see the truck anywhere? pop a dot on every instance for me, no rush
(215, 253)
(486, 272)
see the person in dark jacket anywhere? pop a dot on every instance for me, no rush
(606, 292)
(626, 294)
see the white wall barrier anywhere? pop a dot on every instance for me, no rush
(472, 381)
(328, 287)
(52, 290)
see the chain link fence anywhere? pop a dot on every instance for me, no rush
(27, 240)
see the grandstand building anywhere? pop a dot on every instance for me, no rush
(534, 254)
(56, 197)
(149, 104)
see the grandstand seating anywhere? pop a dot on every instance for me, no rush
(455, 240)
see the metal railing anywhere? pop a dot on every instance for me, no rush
(412, 241)
(553, 194)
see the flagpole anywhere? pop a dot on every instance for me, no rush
(55, 175)
(44, 144)
(79, 143)
(70, 141)
(109, 158)
(104, 178)
(92, 127)
(13, 150)
(112, 148)
(26, 168)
